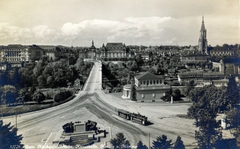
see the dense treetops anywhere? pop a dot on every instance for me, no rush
(9, 138)
(161, 142)
(208, 102)
(19, 85)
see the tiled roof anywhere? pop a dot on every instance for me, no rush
(148, 76)
(15, 45)
(220, 81)
(111, 45)
(114, 44)
(47, 47)
(201, 74)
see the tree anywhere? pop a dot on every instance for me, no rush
(9, 138)
(23, 95)
(48, 69)
(232, 93)
(233, 117)
(168, 95)
(177, 94)
(210, 132)
(50, 81)
(162, 143)
(9, 94)
(237, 137)
(139, 60)
(206, 103)
(152, 70)
(79, 64)
(15, 78)
(129, 77)
(129, 65)
(120, 142)
(140, 145)
(11, 97)
(190, 86)
(41, 81)
(62, 96)
(208, 99)
(133, 90)
(38, 97)
(134, 66)
(179, 143)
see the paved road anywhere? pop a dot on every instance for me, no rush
(88, 99)
(90, 104)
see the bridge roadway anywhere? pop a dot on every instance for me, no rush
(36, 127)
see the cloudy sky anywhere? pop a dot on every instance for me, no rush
(133, 22)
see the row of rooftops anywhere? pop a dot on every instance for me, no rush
(150, 76)
(201, 73)
(47, 48)
(183, 51)
(216, 77)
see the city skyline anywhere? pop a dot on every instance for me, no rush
(136, 22)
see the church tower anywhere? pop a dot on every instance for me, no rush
(202, 42)
(93, 47)
(93, 43)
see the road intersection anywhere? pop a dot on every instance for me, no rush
(93, 104)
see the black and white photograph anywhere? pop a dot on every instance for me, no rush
(119, 74)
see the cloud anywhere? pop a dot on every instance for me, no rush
(70, 29)
(154, 19)
(145, 28)
(130, 30)
(40, 33)
(43, 31)
(134, 29)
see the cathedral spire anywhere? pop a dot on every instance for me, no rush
(203, 25)
(202, 42)
(92, 47)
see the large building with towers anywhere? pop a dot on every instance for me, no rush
(114, 52)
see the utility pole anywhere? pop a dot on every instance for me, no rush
(16, 119)
(2, 110)
(16, 115)
(149, 141)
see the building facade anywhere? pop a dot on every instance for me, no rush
(202, 42)
(201, 78)
(148, 88)
(194, 58)
(49, 51)
(127, 91)
(216, 52)
(14, 53)
(19, 53)
(114, 52)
